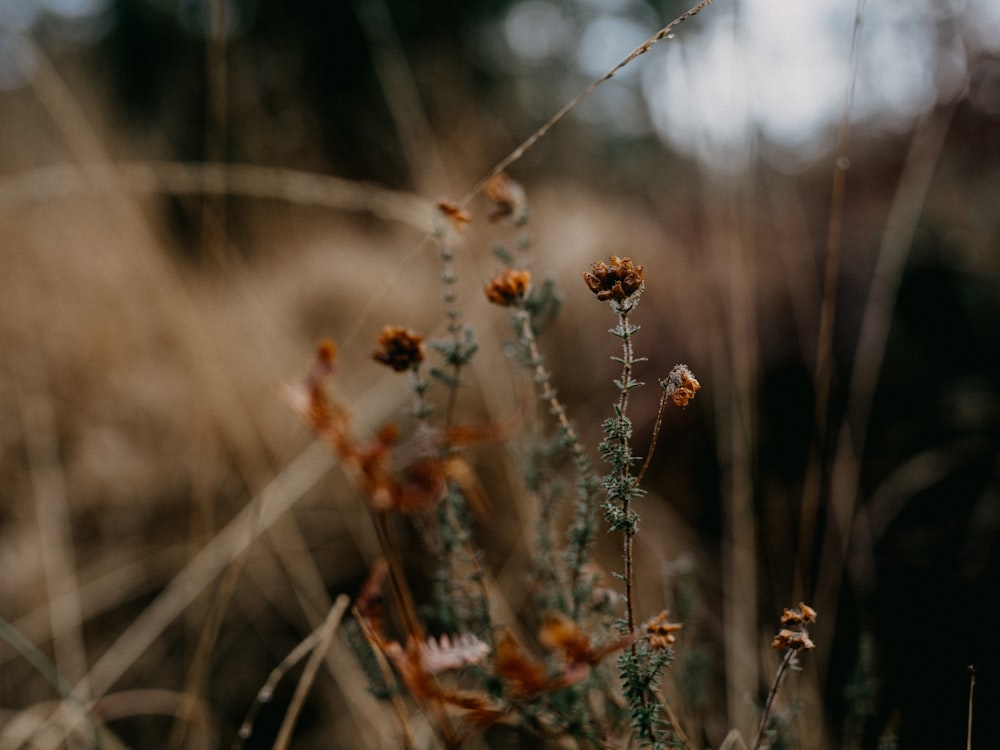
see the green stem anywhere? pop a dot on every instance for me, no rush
(629, 531)
(583, 529)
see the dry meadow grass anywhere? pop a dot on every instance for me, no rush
(170, 531)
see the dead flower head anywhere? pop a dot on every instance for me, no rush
(505, 196)
(400, 348)
(680, 385)
(661, 631)
(508, 288)
(795, 637)
(617, 280)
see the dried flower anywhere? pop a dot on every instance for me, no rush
(505, 195)
(680, 385)
(799, 637)
(508, 288)
(804, 614)
(456, 215)
(793, 639)
(618, 281)
(401, 348)
(661, 631)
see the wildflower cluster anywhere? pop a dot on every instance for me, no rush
(474, 672)
(794, 634)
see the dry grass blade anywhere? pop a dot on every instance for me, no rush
(320, 642)
(828, 309)
(52, 516)
(914, 183)
(275, 499)
(972, 687)
(531, 140)
(272, 183)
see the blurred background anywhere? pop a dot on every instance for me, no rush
(192, 194)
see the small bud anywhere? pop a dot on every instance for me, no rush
(326, 353)
(508, 288)
(457, 216)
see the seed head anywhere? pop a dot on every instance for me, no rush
(618, 280)
(508, 288)
(400, 348)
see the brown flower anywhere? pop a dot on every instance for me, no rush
(803, 614)
(618, 280)
(505, 195)
(798, 638)
(401, 348)
(793, 639)
(661, 631)
(680, 385)
(509, 287)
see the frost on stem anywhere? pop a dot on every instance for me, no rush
(680, 385)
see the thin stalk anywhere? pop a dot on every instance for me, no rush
(583, 524)
(400, 589)
(50, 674)
(665, 33)
(656, 435)
(786, 662)
(324, 635)
(623, 393)
(972, 687)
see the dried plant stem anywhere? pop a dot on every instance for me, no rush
(387, 674)
(675, 722)
(323, 637)
(400, 589)
(828, 308)
(531, 140)
(897, 241)
(310, 643)
(664, 396)
(50, 674)
(786, 662)
(972, 687)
